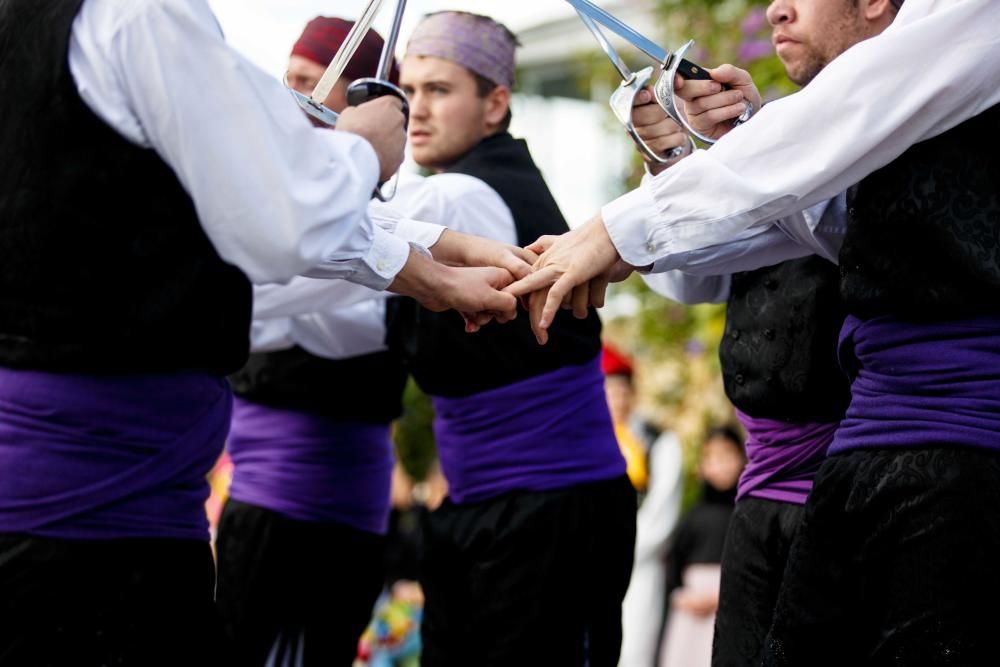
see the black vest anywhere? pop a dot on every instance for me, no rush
(446, 361)
(105, 267)
(779, 351)
(365, 389)
(923, 236)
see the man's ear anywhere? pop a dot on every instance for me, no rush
(497, 105)
(879, 11)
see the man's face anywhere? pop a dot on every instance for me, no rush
(620, 396)
(447, 115)
(303, 75)
(809, 34)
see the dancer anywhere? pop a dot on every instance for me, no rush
(873, 562)
(530, 554)
(142, 196)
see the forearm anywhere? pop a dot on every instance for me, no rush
(851, 120)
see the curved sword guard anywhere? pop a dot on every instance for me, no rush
(366, 90)
(663, 91)
(622, 101)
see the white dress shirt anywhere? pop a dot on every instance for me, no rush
(276, 196)
(705, 278)
(336, 320)
(936, 66)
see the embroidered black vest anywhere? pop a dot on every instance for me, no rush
(779, 350)
(105, 266)
(923, 237)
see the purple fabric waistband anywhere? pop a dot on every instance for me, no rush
(88, 457)
(782, 458)
(921, 383)
(546, 432)
(311, 468)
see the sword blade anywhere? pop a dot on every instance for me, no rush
(636, 39)
(346, 52)
(389, 49)
(606, 46)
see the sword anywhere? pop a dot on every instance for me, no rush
(362, 90)
(314, 103)
(370, 88)
(670, 63)
(623, 99)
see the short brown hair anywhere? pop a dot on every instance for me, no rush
(484, 87)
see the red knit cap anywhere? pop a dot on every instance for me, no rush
(324, 35)
(614, 362)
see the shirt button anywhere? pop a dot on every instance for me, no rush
(735, 334)
(380, 265)
(740, 379)
(651, 247)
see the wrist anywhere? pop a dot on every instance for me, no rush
(420, 278)
(448, 248)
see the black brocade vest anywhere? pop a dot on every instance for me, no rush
(447, 362)
(779, 350)
(105, 267)
(366, 389)
(923, 236)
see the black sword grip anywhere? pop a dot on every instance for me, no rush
(689, 70)
(366, 90)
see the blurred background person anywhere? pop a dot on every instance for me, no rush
(656, 468)
(695, 556)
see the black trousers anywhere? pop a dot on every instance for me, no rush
(530, 578)
(101, 603)
(753, 565)
(294, 592)
(897, 563)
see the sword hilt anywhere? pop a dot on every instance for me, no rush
(366, 90)
(688, 70)
(663, 91)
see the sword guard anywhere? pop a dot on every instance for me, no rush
(622, 101)
(366, 90)
(663, 91)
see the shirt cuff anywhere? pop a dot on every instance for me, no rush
(423, 234)
(626, 219)
(383, 261)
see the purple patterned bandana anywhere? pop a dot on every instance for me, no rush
(475, 42)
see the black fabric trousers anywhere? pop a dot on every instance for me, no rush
(294, 592)
(897, 563)
(529, 578)
(753, 565)
(81, 603)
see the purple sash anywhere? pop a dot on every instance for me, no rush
(311, 468)
(88, 457)
(782, 458)
(547, 432)
(921, 383)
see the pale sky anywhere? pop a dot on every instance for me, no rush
(265, 30)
